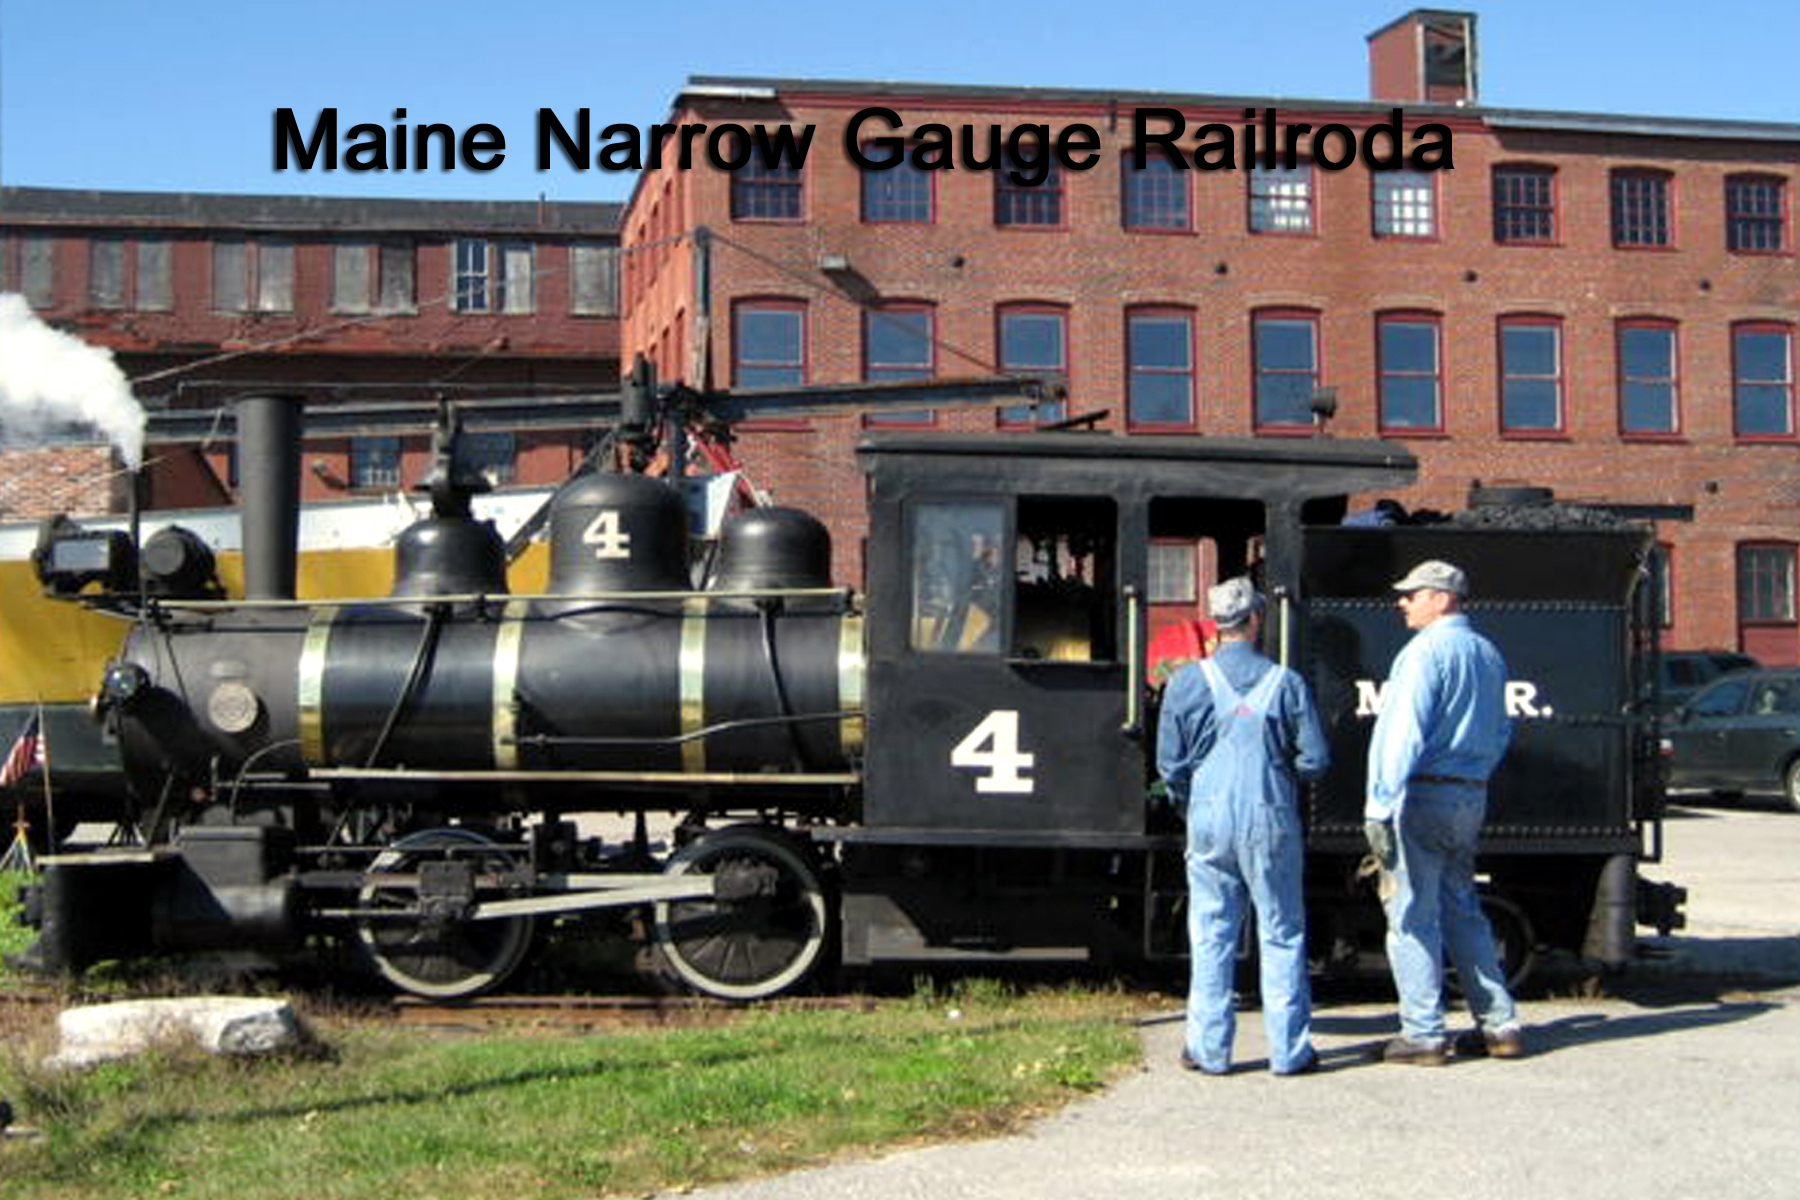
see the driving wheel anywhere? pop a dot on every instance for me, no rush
(767, 927)
(440, 952)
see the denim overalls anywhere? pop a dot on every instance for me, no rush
(1244, 837)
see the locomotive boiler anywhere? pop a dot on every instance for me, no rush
(954, 767)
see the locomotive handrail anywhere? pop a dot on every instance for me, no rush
(810, 779)
(810, 593)
(1134, 665)
(548, 739)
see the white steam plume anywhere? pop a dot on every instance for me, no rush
(48, 379)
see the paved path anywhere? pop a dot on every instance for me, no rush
(1684, 1084)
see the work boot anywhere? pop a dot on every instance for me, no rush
(1190, 1063)
(1413, 1054)
(1491, 1043)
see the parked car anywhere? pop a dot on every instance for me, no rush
(1740, 733)
(1682, 673)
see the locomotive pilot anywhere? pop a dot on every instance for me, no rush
(1236, 735)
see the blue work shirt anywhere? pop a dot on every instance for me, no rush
(1443, 713)
(1187, 730)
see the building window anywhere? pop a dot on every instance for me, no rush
(1285, 350)
(1033, 342)
(493, 277)
(1156, 197)
(369, 278)
(1524, 205)
(764, 193)
(1531, 386)
(1762, 372)
(106, 273)
(1281, 201)
(901, 194)
(253, 276)
(155, 285)
(1765, 584)
(26, 267)
(1410, 370)
(110, 285)
(593, 280)
(768, 344)
(898, 347)
(490, 452)
(1640, 209)
(1173, 573)
(1755, 214)
(1029, 204)
(1405, 204)
(374, 462)
(1159, 352)
(1647, 379)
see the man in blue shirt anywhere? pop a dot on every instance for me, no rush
(1439, 734)
(1236, 733)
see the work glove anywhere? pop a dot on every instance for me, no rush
(1380, 835)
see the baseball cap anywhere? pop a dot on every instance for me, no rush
(1436, 574)
(1232, 602)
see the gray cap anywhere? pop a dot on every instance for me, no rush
(1436, 574)
(1232, 602)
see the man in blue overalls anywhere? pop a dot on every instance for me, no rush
(1237, 732)
(1439, 734)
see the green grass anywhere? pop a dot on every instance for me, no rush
(13, 936)
(374, 1111)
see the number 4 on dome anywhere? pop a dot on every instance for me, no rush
(993, 747)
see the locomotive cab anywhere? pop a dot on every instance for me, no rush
(1013, 583)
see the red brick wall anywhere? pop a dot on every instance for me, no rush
(1394, 68)
(79, 480)
(967, 266)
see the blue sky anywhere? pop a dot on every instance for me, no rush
(180, 95)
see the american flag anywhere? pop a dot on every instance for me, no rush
(26, 754)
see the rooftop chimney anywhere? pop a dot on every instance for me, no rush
(1425, 57)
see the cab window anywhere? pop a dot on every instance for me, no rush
(1065, 579)
(956, 577)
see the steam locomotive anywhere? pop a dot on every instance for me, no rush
(955, 767)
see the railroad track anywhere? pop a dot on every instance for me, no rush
(597, 1011)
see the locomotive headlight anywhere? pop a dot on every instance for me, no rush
(120, 687)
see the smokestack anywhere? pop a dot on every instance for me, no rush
(268, 447)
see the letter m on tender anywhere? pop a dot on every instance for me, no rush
(1368, 698)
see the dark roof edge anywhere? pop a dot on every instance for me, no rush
(1424, 14)
(702, 86)
(77, 206)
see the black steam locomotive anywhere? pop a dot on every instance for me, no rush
(957, 768)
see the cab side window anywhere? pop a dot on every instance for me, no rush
(957, 587)
(1065, 574)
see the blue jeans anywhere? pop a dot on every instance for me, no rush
(1433, 908)
(1248, 850)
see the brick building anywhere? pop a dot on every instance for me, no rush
(1601, 304)
(377, 306)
